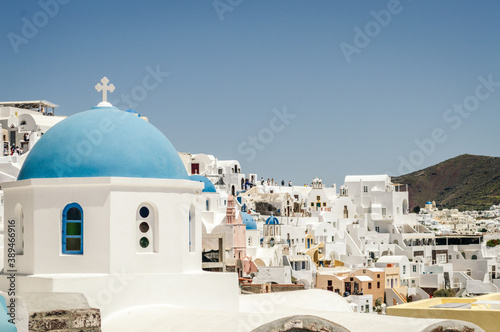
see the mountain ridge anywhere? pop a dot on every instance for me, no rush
(465, 182)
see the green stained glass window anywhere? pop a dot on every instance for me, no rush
(144, 242)
(73, 228)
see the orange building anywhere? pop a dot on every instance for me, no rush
(367, 281)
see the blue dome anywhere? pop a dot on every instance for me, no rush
(5, 317)
(209, 186)
(248, 220)
(429, 202)
(272, 220)
(133, 112)
(103, 142)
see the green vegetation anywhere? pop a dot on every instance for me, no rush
(416, 209)
(493, 243)
(444, 293)
(378, 306)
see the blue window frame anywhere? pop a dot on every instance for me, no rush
(72, 229)
(190, 231)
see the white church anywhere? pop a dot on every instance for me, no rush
(103, 207)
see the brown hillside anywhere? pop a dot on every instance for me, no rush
(466, 182)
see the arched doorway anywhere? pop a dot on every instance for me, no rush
(405, 206)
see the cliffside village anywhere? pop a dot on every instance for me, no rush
(359, 240)
(82, 212)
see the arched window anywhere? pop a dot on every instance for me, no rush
(72, 230)
(192, 230)
(474, 257)
(147, 229)
(19, 226)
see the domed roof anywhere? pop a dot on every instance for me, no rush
(272, 220)
(133, 112)
(428, 202)
(248, 220)
(209, 186)
(103, 142)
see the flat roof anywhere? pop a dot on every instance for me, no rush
(28, 104)
(298, 258)
(363, 278)
(367, 178)
(458, 235)
(453, 305)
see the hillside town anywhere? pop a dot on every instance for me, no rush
(360, 242)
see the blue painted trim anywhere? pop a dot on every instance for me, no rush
(190, 230)
(64, 230)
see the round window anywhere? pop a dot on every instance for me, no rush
(144, 242)
(144, 212)
(144, 227)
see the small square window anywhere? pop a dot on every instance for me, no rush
(73, 244)
(73, 228)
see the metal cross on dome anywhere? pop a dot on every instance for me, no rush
(104, 87)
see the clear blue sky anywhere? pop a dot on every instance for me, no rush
(226, 76)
